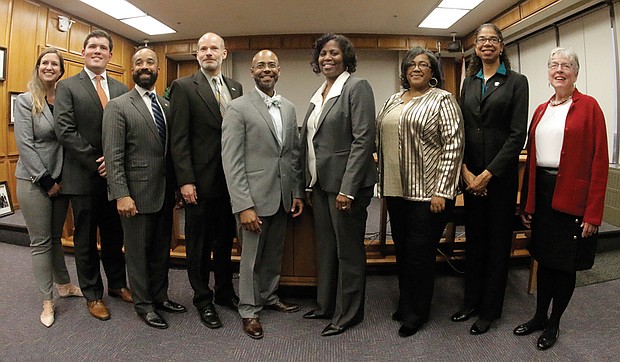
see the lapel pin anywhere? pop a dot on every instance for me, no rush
(497, 84)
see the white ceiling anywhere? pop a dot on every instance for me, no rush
(192, 18)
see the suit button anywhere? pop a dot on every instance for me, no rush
(576, 221)
(574, 237)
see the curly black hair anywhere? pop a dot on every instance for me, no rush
(410, 56)
(349, 58)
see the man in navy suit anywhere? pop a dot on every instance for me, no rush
(198, 103)
(142, 181)
(78, 113)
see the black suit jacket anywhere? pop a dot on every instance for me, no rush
(77, 116)
(495, 123)
(196, 134)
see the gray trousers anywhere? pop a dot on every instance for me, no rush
(44, 218)
(261, 264)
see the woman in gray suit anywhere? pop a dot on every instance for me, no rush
(38, 180)
(337, 145)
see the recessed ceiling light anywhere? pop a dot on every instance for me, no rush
(149, 25)
(118, 9)
(441, 18)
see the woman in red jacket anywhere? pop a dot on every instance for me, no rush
(563, 192)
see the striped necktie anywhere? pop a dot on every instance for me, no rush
(220, 96)
(159, 117)
(100, 92)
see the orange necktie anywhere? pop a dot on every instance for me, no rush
(100, 92)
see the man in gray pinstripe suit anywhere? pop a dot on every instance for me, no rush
(141, 180)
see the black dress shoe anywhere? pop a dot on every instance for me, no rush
(409, 329)
(170, 307)
(463, 314)
(332, 330)
(480, 326)
(530, 327)
(153, 319)
(397, 317)
(209, 317)
(313, 315)
(232, 303)
(548, 338)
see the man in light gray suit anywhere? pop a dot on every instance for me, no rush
(141, 179)
(260, 154)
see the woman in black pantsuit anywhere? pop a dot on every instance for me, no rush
(494, 101)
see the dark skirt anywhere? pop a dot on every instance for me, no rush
(556, 236)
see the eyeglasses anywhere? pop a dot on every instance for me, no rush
(420, 65)
(492, 39)
(262, 66)
(556, 66)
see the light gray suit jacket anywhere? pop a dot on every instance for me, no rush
(40, 153)
(260, 172)
(136, 158)
(345, 140)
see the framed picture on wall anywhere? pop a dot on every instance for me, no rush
(6, 207)
(2, 64)
(13, 100)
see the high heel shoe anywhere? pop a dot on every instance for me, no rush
(69, 290)
(47, 316)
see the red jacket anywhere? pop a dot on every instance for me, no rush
(584, 162)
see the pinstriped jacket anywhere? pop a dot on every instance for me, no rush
(431, 143)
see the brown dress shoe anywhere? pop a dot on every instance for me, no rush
(97, 309)
(280, 306)
(252, 327)
(123, 293)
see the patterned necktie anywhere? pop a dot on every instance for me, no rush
(220, 96)
(100, 92)
(159, 117)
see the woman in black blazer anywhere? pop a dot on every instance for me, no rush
(494, 101)
(337, 144)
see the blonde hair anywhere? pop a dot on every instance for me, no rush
(36, 87)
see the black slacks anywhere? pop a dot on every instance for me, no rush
(488, 228)
(210, 226)
(416, 232)
(92, 212)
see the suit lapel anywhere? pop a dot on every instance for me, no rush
(138, 103)
(90, 89)
(260, 105)
(234, 92)
(49, 117)
(203, 88)
(493, 85)
(326, 108)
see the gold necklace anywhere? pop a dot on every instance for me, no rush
(561, 101)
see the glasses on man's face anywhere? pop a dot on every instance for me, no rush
(262, 66)
(557, 65)
(420, 65)
(491, 39)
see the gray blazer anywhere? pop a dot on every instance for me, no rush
(40, 153)
(136, 161)
(344, 141)
(77, 116)
(260, 172)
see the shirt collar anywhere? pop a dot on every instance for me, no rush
(335, 90)
(501, 70)
(91, 74)
(142, 91)
(210, 77)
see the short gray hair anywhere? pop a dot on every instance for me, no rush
(567, 53)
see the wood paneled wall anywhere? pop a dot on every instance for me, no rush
(28, 27)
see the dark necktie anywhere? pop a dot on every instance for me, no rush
(159, 117)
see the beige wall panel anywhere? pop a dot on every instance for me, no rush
(118, 51)
(22, 52)
(72, 68)
(5, 7)
(56, 38)
(78, 33)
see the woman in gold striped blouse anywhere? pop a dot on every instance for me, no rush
(420, 148)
